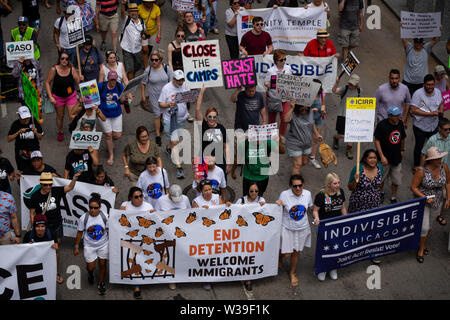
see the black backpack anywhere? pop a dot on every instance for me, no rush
(127, 22)
(346, 89)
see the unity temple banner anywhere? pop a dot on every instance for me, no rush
(290, 28)
(194, 245)
(366, 235)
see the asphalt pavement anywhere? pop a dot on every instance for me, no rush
(401, 276)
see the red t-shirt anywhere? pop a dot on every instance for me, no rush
(256, 44)
(313, 49)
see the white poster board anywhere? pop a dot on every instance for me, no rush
(75, 31)
(301, 89)
(420, 25)
(85, 139)
(263, 132)
(360, 119)
(15, 50)
(202, 64)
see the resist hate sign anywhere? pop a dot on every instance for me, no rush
(202, 64)
(239, 73)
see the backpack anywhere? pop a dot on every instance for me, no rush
(166, 66)
(346, 89)
(102, 215)
(127, 22)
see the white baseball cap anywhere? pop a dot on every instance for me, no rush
(175, 192)
(24, 112)
(178, 74)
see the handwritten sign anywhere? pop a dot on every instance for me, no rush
(301, 89)
(350, 64)
(420, 25)
(263, 132)
(446, 98)
(202, 64)
(239, 73)
(360, 119)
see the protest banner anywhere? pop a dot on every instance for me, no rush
(186, 96)
(202, 64)
(28, 271)
(420, 25)
(323, 69)
(15, 50)
(263, 132)
(30, 96)
(85, 139)
(290, 28)
(89, 91)
(239, 73)
(446, 99)
(366, 235)
(132, 85)
(194, 245)
(183, 5)
(75, 32)
(73, 205)
(350, 64)
(301, 89)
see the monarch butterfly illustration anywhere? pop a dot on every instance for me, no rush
(148, 271)
(208, 222)
(131, 261)
(147, 253)
(225, 215)
(241, 222)
(147, 240)
(191, 218)
(144, 222)
(262, 219)
(168, 220)
(124, 221)
(149, 261)
(133, 233)
(159, 232)
(179, 233)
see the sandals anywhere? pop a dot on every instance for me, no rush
(110, 162)
(294, 280)
(420, 259)
(59, 279)
(426, 252)
(441, 220)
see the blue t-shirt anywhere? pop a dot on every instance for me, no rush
(110, 104)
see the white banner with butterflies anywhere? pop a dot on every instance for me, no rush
(240, 242)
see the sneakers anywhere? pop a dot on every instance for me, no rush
(158, 141)
(137, 295)
(103, 46)
(180, 173)
(248, 286)
(60, 136)
(91, 278)
(190, 118)
(321, 276)
(333, 274)
(216, 31)
(207, 286)
(393, 200)
(315, 163)
(172, 286)
(169, 152)
(101, 288)
(349, 154)
(335, 143)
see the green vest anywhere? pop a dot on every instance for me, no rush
(15, 33)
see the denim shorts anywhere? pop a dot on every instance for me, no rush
(295, 154)
(173, 135)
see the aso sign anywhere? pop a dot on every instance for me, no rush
(85, 139)
(15, 50)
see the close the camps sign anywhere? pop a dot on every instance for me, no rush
(202, 64)
(194, 245)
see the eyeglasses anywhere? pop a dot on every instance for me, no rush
(447, 129)
(258, 24)
(295, 186)
(139, 196)
(180, 36)
(254, 191)
(154, 60)
(282, 60)
(212, 117)
(46, 184)
(94, 208)
(64, 58)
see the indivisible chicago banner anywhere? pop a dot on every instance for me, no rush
(366, 235)
(73, 205)
(28, 272)
(194, 245)
(290, 28)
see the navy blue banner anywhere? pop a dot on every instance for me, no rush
(344, 240)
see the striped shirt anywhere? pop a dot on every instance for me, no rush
(107, 7)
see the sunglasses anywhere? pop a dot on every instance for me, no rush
(212, 117)
(254, 191)
(258, 24)
(295, 186)
(154, 60)
(22, 24)
(64, 58)
(46, 184)
(94, 208)
(236, 2)
(448, 129)
(180, 36)
(139, 196)
(282, 60)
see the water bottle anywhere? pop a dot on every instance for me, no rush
(127, 104)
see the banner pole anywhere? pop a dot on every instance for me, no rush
(358, 151)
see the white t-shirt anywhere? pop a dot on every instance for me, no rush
(324, 5)
(144, 207)
(63, 34)
(271, 77)
(230, 31)
(295, 208)
(428, 104)
(217, 178)
(131, 40)
(153, 186)
(165, 204)
(202, 202)
(95, 234)
(257, 200)
(167, 95)
(118, 70)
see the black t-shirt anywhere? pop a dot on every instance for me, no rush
(213, 136)
(53, 213)
(29, 171)
(31, 236)
(330, 206)
(27, 140)
(76, 162)
(247, 110)
(106, 183)
(5, 170)
(30, 71)
(390, 138)
(30, 9)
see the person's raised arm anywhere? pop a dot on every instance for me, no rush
(198, 104)
(71, 185)
(234, 96)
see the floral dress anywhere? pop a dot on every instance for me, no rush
(430, 186)
(367, 194)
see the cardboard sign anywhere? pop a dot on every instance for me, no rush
(15, 50)
(75, 31)
(85, 139)
(89, 90)
(420, 25)
(446, 98)
(183, 5)
(30, 96)
(360, 119)
(186, 96)
(301, 89)
(263, 132)
(239, 73)
(350, 64)
(202, 64)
